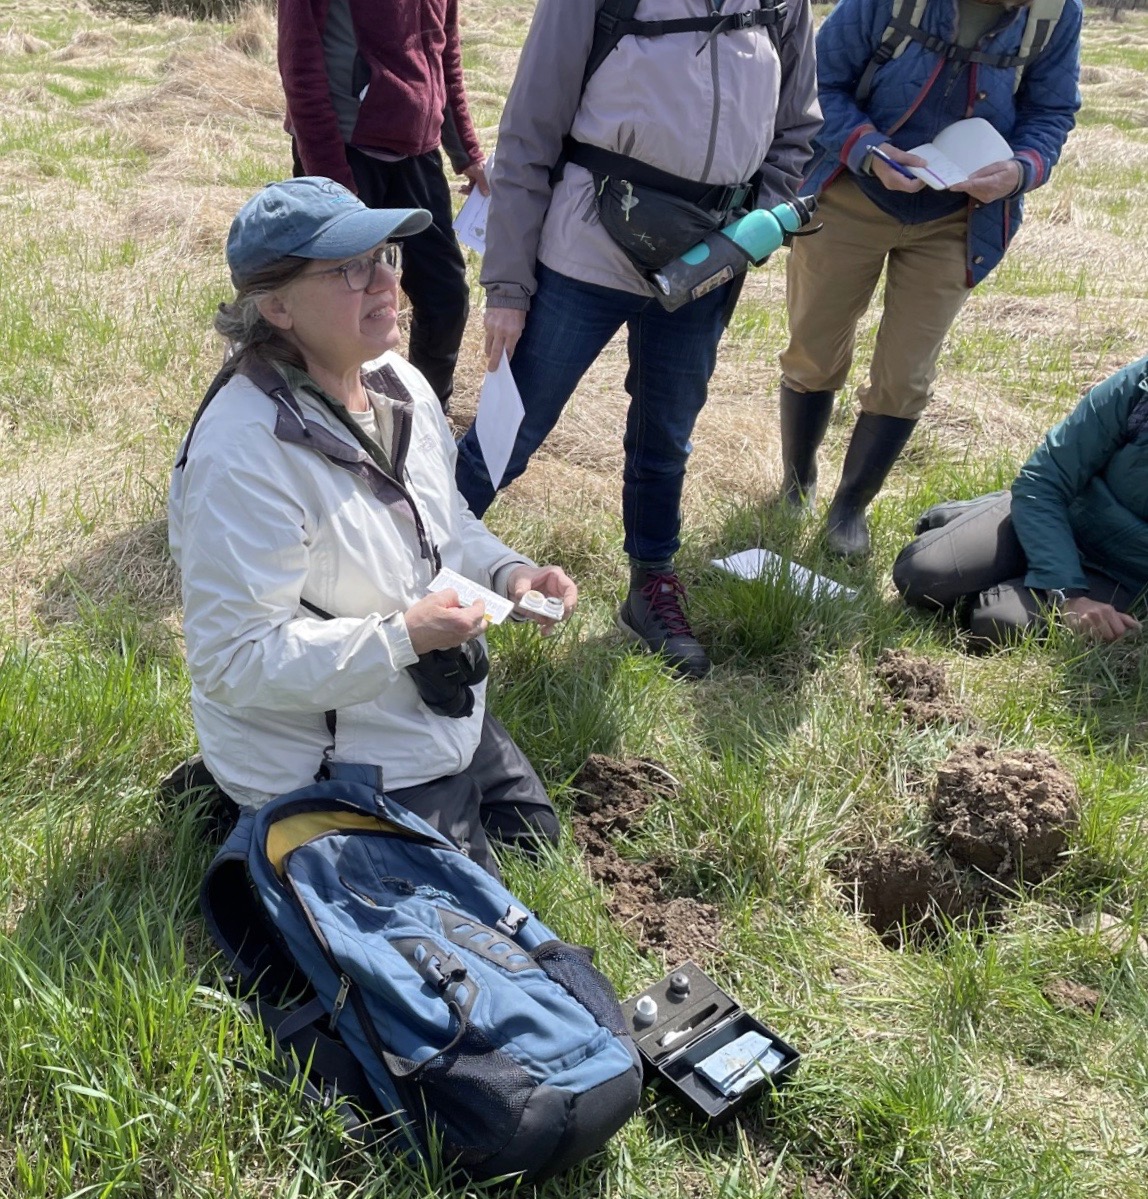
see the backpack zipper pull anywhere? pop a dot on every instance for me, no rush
(340, 1001)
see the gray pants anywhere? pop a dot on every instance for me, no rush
(497, 797)
(968, 552)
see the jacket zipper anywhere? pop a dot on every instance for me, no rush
(715, 7)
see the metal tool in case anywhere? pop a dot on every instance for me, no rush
(700, 1044)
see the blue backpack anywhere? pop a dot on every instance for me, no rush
(423, 991)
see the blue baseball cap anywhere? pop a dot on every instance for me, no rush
(311, 217)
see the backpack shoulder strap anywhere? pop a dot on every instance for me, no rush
(616, 19)
(1041, 19)
(223, 376)
(906, 15)
(260, 970)
(607, 33)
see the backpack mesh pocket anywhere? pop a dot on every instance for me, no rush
(571, 967)
(474, 1096)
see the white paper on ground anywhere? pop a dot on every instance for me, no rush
(500, 413)
(759, 563)
(958, 151)
(497, 607)
(470, 224)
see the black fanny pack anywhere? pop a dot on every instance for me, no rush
(653, 216)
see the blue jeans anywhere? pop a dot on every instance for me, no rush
(672, 355)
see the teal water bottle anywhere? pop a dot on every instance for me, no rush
(727, 252)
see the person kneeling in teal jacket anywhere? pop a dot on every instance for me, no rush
(1070, 536)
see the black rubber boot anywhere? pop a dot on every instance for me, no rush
(652, 614)
(804, 419)
(876, 444)
(191, 781)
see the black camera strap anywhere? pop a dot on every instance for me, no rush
(331, 716)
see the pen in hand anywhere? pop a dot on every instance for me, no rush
(877, 152)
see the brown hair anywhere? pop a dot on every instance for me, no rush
(245, 328)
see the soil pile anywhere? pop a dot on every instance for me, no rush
(1006, 812)
(610, 799)
(998, 815)
(918, 689)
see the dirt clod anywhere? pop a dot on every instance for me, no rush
(918, 689)
(610, 798)
(1069, 996)
(1004, 812)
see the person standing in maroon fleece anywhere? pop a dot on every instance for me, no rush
(373, 89)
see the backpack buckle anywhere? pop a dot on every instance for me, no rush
(442, 972)
(511, 921)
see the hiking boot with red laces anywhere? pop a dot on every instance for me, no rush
(652, 614)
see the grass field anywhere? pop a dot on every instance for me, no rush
(1001, 1053)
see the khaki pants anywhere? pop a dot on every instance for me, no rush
(831, 278)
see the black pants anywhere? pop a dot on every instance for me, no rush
(968, 552)
(434, 271)
(497, 797)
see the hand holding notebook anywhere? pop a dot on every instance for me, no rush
(959, 151)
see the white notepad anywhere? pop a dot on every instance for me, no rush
(958, 151)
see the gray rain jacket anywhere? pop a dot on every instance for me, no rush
(715, 117)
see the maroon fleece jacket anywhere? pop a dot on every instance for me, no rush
(410, 61)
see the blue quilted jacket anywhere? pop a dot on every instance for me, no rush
(917, 94)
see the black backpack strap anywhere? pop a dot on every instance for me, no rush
(608, 33)
(332, 1076)
(223, 376)
(238, 923)
(616, 20)
(259, 968)
(720, 197)
(330, 716)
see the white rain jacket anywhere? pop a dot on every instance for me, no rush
(258, 521)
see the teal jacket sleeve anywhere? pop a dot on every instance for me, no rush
(1072, 454)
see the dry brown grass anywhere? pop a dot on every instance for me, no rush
(83, 518)
(199, 118)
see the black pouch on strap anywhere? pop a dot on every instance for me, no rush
(653, 216)
(651, 227)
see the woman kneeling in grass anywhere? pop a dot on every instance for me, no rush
(312, 505)
(1071, 536)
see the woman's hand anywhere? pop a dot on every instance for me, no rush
(438, 621)
(503, 329)
(1084, 615)
(893, 180)
(476, 177)
(994, 182)
(550, 580)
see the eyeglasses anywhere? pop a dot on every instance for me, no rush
(359, 273)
